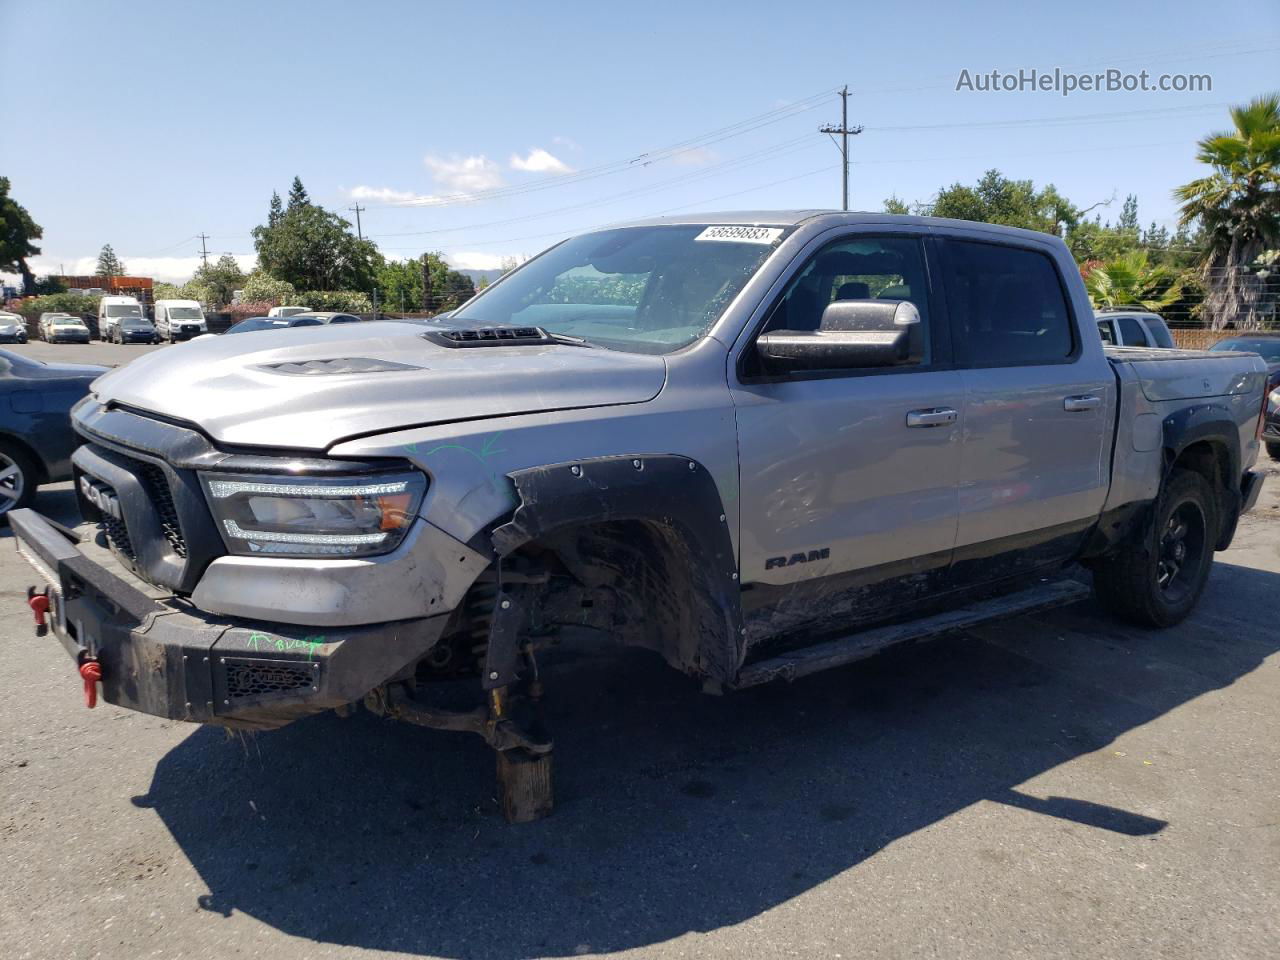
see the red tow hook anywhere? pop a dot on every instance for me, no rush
(91, 672)
(39, 604)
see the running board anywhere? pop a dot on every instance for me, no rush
(859, 646)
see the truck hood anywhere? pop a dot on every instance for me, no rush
(309, 387)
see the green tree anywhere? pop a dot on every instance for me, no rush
(109, 265)
(297, 195)
(314, 250)
(1130, 280)
(1016, 203)
(896, 205)
(261, 286)
(276, 211)
(17, 231)
(167, 291)
(215, 283)
(1238, 206)
(400, 285)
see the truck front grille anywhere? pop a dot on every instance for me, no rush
(157, 485)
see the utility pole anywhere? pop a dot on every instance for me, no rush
(204, 250)
(845, 132)
(357, 208)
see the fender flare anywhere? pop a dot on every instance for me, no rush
(673, 492)
(1207, 421)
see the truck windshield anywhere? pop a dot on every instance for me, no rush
(637, 289)
(124, 310)
(185, 313)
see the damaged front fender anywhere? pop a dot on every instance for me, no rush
(661, 519)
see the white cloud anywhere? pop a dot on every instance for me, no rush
(162, 269)
(539, 161)
(695, 157)
(464, 260)
(383, 195)
(464, 174)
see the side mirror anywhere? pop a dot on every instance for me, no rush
(853, 334)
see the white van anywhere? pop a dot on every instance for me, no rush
(111, 310)
(287, 311)
(179, 320)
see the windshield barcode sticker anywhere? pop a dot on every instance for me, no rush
(730, 233)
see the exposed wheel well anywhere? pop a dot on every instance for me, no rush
(1212, 460)
(635, 581)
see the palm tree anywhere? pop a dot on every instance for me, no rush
(1238, 205)
(1129, 281)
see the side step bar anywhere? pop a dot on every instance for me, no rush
(859, 646)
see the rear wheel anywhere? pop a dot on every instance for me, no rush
(1156, 579)
(17, 479)
(1273, 450)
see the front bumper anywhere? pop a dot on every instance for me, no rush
(167, 658)
(185, 333)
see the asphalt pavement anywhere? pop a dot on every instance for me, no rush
(1053, 786)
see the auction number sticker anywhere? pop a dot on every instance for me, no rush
(731, 233)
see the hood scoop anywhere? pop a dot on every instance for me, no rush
(317, 368)
(490, 337)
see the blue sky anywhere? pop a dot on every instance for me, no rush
(150, 123)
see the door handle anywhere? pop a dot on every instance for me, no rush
(933, 417)
(1078, 404)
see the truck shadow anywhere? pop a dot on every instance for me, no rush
(677, 812)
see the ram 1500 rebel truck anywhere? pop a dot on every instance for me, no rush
(759, 444)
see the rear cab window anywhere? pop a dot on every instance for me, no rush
(1008, 305)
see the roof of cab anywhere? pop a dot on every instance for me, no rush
(834, 218)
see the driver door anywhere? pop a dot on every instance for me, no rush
(849, 497)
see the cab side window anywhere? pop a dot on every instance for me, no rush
(1007, 305)
(862, 268)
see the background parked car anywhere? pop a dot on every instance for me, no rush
(1267, 346)
(67, 330)
(133, 330)
(111, 310)
(42, 325)
(180, 320)
(331, 317)
(1126, 327)
(13, 329)
(287, 311)
(254, 324)
(36, 438)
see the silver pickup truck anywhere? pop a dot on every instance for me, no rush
(759, 444)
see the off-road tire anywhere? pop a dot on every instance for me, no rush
(1273, 451)
(16, 456)
(1134, 583)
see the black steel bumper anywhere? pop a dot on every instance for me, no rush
(166, 658)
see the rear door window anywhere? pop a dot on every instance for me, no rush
(1107, 331)
(1132, 332)
(1008, 305)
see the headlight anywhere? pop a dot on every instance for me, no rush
(1273, 401)
(313, 516)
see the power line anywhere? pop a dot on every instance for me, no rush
(204, 250)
